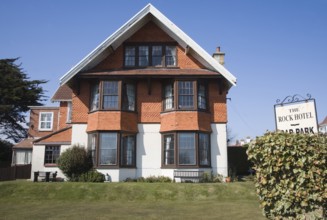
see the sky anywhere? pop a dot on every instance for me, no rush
(275, 48)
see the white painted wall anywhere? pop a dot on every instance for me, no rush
(38, 160)
(79, 135)
(148, 152)
(219, 160)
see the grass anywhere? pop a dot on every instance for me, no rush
(28, 200)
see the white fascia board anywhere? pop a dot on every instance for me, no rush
(104, 45)
(184, 40)
(131, 26)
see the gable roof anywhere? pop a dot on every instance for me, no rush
(63, 93)
(324, 122)
(149, 12)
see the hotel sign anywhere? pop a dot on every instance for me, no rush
(296, 116)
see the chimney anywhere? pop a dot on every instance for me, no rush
(219, 56)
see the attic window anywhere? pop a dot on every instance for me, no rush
(150, 55)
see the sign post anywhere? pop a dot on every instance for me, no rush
(296, 114)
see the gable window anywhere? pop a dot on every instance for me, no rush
(170, 56)
(112, 149)
(190, 95)
(45, 121)
(130, 55)
(52, 153)
(190, 149)
(150, 55)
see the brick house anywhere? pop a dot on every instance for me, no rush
(147, 101)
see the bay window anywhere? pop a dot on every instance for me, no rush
(108, 148)
(185, 95)
(112, 95)
(186, 149)
(190, 95)
(112, 149)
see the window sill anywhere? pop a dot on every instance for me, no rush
(51, 165)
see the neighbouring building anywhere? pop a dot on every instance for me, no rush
(146, 102)
(323, 126)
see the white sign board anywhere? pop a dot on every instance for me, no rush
(297, 117)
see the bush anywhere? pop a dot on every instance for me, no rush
(92, 176)
(74, 162)
(291, 174)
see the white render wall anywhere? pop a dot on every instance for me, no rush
(148, 153)
(79, 135)
(38, 160)
(219, 160)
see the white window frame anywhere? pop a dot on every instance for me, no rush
(69, 112)
(40, 122)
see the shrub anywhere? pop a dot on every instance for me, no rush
(150, 179)
(92, 176)
(291, 174)
(74, 161)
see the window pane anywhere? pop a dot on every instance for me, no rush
(204, 149)
(130, 56)
(51, 154)
(92, 146)
(129, 97)
(45, 122)
(202, 101)
(169, 152)
(157, 56)
(169, 97)
(128, 150)
(170, 56)
(108, 148)
(110, 95)
(143, 56)
(94, 97)
(185, 95)
(186, 150)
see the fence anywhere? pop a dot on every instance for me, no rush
(15, 172)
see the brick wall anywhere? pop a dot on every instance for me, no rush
(80, 102)
(33, 130)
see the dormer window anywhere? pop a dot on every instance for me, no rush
(150, 55)
(45, 121)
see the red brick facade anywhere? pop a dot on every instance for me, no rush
(33, 130)
(149, 94)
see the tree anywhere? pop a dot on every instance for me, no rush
(74, 162)
(17, 92)
(291, 175)
(5, 153)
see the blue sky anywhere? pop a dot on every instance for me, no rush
(274, 48)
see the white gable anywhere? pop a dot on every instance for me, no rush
(134, 24)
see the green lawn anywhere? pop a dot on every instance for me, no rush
(28, 200)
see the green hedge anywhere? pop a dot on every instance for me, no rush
(291, 174)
